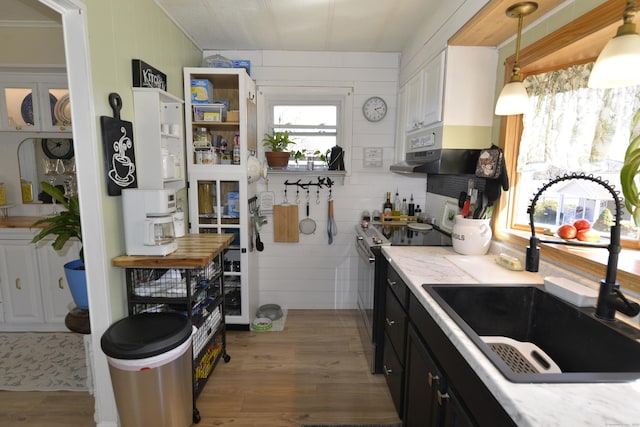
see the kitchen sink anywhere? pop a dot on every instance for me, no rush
(543, 329)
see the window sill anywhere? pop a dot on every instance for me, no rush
(590, 261)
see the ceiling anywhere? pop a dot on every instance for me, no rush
(311, 25)
(334, 25)
(314, 25)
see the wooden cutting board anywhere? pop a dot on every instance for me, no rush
(285, 223)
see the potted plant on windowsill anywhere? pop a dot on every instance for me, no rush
(278, 143)
(66, 226)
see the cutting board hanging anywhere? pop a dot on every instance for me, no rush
(119, 153)
(285, 223)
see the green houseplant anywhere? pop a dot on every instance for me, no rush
(65, 226)
(630, 170)
(278, 144)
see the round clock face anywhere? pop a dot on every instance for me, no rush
(58, 148)
(374, 109)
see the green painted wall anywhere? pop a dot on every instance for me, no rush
(119, 31)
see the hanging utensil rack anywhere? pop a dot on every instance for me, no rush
(323, 182)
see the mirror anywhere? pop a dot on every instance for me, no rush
(35, 167)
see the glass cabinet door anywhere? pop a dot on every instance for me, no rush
(56, 113)
(20, 107)
(219, 211)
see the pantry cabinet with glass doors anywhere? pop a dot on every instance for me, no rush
(218, 189)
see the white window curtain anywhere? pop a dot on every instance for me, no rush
(571, 128)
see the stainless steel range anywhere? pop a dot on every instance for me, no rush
(370, 238)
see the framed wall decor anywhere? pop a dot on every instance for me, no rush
(449, 212)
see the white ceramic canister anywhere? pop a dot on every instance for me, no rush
(167, 164)
(471, 236)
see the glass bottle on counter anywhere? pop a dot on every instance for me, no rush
(387, 208)
(395, 210)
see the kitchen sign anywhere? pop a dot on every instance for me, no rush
(119, 153)
(144, 75)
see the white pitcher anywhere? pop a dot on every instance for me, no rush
(471, 236)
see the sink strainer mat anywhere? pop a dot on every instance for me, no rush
(522, 357)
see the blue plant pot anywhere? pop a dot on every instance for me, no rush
(77, 280)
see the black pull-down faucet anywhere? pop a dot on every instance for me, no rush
(610, 298)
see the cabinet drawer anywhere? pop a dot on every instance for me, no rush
(394, 374)
(398, 286)
(395, 323)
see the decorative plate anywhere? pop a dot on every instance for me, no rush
(62, 111)
(26, 108)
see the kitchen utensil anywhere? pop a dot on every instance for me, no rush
(307, 225)
(119, 153)
(285, 223)
(332, 227)
(257, 221)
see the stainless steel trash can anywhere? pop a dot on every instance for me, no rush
(150, 363)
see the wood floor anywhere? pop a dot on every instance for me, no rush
(313, 372)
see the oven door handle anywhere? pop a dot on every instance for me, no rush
(364, 252)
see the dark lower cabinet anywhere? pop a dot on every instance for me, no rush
(455, 415)
(422, 386)
(430, 382)
(394, 374)
(429, 400)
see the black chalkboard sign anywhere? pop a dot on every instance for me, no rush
(119, 153)
(144, 75)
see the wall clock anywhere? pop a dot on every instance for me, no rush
(374, 109)
(55, 148)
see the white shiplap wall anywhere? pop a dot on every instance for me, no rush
(311, 273)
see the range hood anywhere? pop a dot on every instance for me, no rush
(443, 150)
(442, 161)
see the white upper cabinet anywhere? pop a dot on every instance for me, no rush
(456, 88)
(32, 102)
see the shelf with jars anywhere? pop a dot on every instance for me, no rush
(159, 135)
(221, 117)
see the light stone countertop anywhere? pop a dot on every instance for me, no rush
(592, 404)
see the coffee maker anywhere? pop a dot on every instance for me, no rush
(148, 221)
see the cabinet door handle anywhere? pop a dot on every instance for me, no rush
(391, 283)
(389, 322)
(60, 285)
(18, 285)
(442, 398)
(386, 370)
(431, 379)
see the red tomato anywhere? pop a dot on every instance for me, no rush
(588, 236)
(582, 224)
(567, 231)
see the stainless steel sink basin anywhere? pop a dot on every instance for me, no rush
(584, 348)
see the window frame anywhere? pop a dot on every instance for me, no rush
(342, 97)
(580, 41)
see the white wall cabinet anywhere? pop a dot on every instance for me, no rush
(218, 190)
(34, 293)
(424, 95)
(159, 139)
(34, 102)
(455, 88)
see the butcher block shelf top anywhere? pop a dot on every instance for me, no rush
(20, 222)
(194, 250)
